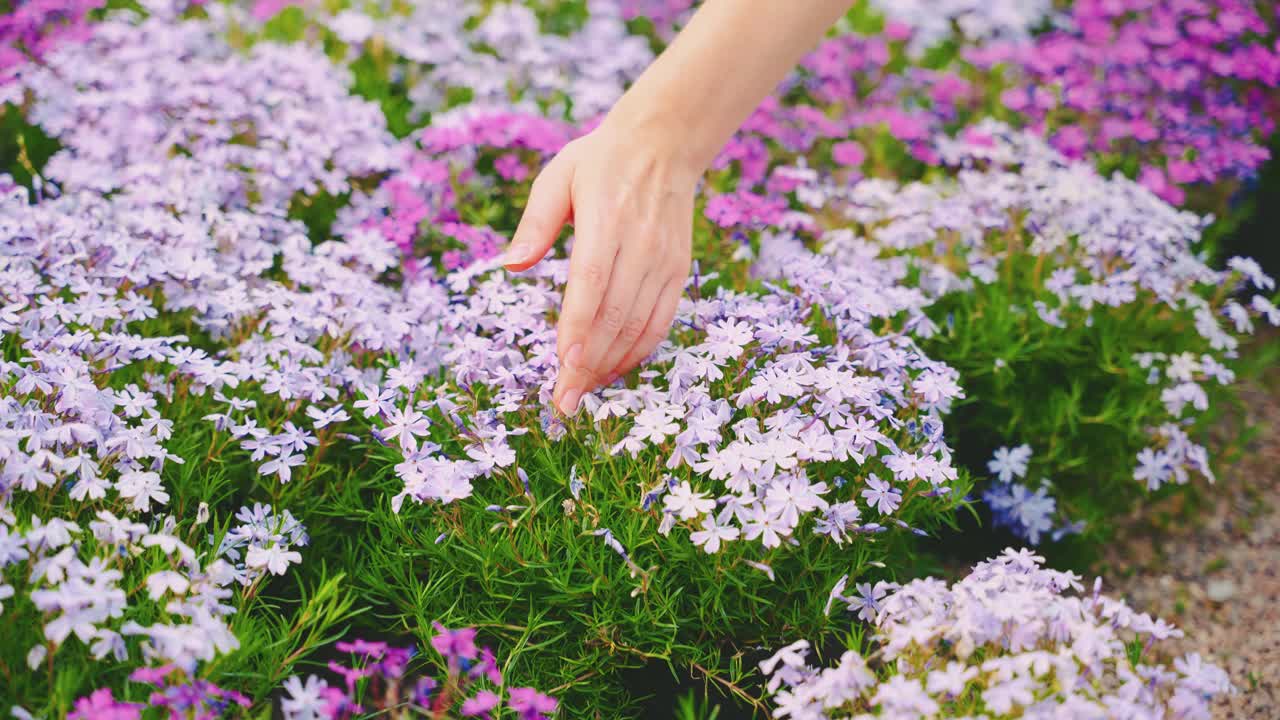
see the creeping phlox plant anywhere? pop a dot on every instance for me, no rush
(1075, 303)
(1009, 640)
(169, 108)
(259, 364)
(445, 53)
(1182, 93)
(111, 550)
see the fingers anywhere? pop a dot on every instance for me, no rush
(655, 331)
(549, 207)
(591, 266)
(622, 315)
(632, 328)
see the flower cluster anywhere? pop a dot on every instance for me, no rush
(979, 22)
(745, 406)
(1095, 246)
(420, 207)
(83, 422)
(76, 577)
(171, 109)
(184, 337)
(1186, 87)
(1029, 514)
(1008, 640)
(470, 686)
(31, 30)
(495, 54)
(266, 540)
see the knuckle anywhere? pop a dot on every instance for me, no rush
(631, 330)
(612, 318)
(594, 276)
(581, 375)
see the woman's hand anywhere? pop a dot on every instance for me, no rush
(629, 195)
(628, 186)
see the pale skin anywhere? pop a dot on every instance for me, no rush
(628, 186)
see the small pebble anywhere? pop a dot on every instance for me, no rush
(1220, 591)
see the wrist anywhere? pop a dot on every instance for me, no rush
(661, 129)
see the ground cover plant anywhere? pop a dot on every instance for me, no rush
(1010, 637)
(274, 419)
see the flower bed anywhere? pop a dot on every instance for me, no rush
(265, 384)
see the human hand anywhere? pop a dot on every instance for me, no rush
(629, 196)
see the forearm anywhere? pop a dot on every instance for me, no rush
(731, 55)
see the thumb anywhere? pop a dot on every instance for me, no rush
(549, 206)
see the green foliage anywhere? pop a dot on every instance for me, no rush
(278, 624)
(689, 707)
(24, 148)
(1076, 394)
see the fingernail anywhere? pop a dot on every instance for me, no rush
(573, 358)
(515, 254)
(569, 403)
(612, 379)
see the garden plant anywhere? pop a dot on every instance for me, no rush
(276, 430)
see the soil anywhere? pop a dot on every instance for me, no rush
(1213, 569)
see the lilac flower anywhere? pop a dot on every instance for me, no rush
(687, 504)
(867, 602)
(274, 558)
(881, 495)
(1010, 639)
(1007, 463)
(712, 534)
(281, 465)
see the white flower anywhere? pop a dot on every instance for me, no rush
(275, 558)
(166, 580)
(352, 27)
(143, 487)
(36, 655)
(1007, 463)
(687, 504)
(710, 537)
(305, 701)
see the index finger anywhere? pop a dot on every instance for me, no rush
(590, 269)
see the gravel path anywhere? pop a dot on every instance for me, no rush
(1214, 569)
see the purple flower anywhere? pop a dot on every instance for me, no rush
(881, 495)
(455, 644)
(531, 704)
(481, 703)
(100, 705)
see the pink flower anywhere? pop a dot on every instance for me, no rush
(483, 702)
(531, 704)
(100, 705)
(849, 154)
(455, 643)
(510, 167)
